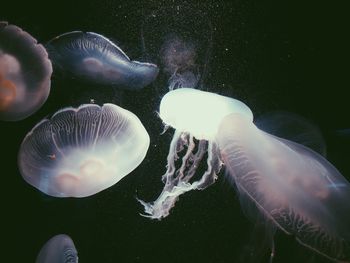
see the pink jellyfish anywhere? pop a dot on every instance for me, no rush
(288, 186)
(25, 73)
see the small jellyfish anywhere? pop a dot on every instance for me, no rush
(94, 58)
(81, 151)
(25, 73)
(59, 249)
(293, 127)
(179, 38)
(193, 120)
(287, 186)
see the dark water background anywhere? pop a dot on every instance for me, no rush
(271, 55)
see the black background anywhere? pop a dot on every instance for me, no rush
(273, 55)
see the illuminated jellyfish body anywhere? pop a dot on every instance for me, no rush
(59, 249)
(179, 38)
(287, 186)
(79, 152)
(25, 73)
(293, 127)
(282, 184)
(189, 113)
(94, 58)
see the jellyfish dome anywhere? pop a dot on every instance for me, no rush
(94, 58)
(288, 187)
(81, 151)
(58, 249)
(25, 73)
(195, 115)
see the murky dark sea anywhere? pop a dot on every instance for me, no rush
(283, 56)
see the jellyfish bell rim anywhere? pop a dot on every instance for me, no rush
(48, 178)
(124, 55)
(184, 101)
(70, 33)
(90, 56)
(60, 245)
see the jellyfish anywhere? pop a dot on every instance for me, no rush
(25, 73)
(195, 115)
(94, 58)
(58, 249)
(287, 186)
(293, 127)
(179, 38)
(81, 151)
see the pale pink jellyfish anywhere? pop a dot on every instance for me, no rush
(81, 151)
(287, 186)
(25, 73)
(195, 115)
(58, 249)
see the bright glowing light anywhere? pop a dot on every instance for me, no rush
(199, 112)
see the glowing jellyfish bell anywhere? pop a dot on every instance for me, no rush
(95, 58)
(194, 114)
(58, 249)
(81, 151)
(25, 73)
(287, 186)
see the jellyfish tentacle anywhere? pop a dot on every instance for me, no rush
(185, 159)
(173, 188)
(171, 157)
(177, 182)
(214, 167)
(197, 157)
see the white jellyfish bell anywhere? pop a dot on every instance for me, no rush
(194, 114)
(81, 151)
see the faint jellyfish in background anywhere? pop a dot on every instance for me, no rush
(25, 73)
(81, 151)
(179, 39)
(94, 58)
(195, 127)
(293, 127)
(59, 249)
(287, 186)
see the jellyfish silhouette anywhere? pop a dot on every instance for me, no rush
(59, 249)
(293, 127)
(194, 120)
(94, 58)
(79, 152)
(25, 73)
(179, 38)
(287, 186)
